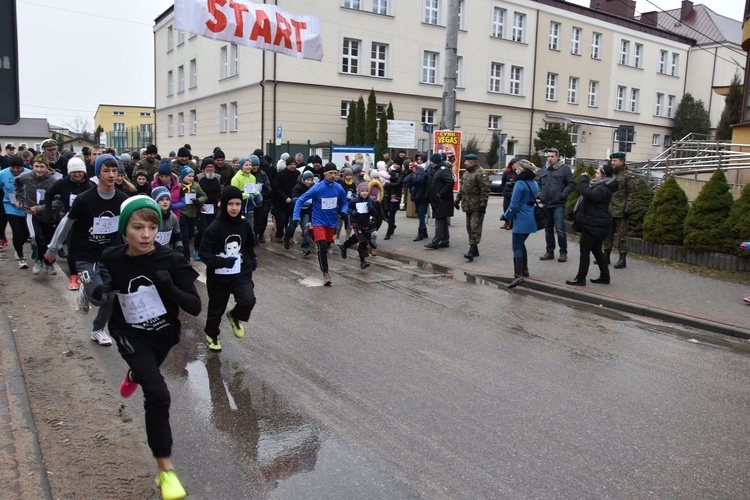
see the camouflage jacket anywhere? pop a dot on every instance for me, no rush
(623, 200)
(475, 189)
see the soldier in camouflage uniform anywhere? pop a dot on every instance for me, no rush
(472, 198)
(621, 206)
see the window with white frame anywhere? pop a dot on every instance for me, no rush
(170, 126)
(459, 71)
(193, 122)
(431, 11)
(170, 39)
(145, 114)
(378, 59)
(460, 14)
(118, 127)
(574, 131)
(350, 56)
(519, 26)
(635, 96)
(667, 141)
(118, 113)
(234, 60)
(575, 41)
(429, 67)
(170, 83)
(573, 90)
(498, 22)
(658, 104)
(593, 98)
(223, 118)
(224, 62)
(180, 37)
(554, 35)
(457, 119)
(670, 106)
(663, 55)
(228, 61)
(352, 4)
(180, 79)
(379, 110)
(620, 98)
(193, 74)
(551, 94)
(495, 122)
(674, 68)
(624, 52)
(380, 6)
(180, 124)
(638, 55)
(596, 46)
(233, 117)
(345, 107)
(428, 116)
(496, 77)
(516, 80)
(656, 140)
(192, 35)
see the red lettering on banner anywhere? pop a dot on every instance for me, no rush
(297, 36)
(283, 30)
(238, 10)
(262, 27)
(220, 20)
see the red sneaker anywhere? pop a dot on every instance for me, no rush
(127, 388)
(74, 284)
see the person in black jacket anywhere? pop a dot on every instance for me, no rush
(417, 183)
(593, 220)
(393, 189)
(283, 184)
(440, 193)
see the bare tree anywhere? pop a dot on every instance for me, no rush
(80, 128)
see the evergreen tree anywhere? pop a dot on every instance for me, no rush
(555, 136)
(705, 221)
(691, 116)
(664, 222)
(537, 160)
(731, 113)
(737, 225)
(359, 123)
(470, 146)
(576, 193)
(371, 120)
(492, 156)
(389, 112)
(382, 133)
(350, 123)
(643, 197)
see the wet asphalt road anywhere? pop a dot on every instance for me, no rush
(402, 382)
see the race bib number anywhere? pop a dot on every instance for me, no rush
(250, 188)
(12, 198)
(72, 199)
(164, 237)
(189, 197)
(349, 195)
(40, 196)
(235, 269)
(328, 203)
(362, 208)
(57, 176)
(105, 225)
(208, 209)
(142, 305)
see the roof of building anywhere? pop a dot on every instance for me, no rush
(26, 127)
(704, 25)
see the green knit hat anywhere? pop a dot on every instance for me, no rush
(131, 205)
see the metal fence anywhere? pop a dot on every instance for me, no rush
(132, 138)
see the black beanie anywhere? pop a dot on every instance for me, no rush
(183, 153)
(207, 161)
(230, 193)
(15, 161)
(219, 154)
(151, 149)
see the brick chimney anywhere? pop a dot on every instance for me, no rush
(621, 8)
(686, 10)
(650, 18)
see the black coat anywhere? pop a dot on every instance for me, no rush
(440, 191)
(592, 214)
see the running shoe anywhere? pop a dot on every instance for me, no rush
(373, 252)
(364, 264)
(37, 267)
(286, 244)
(747, 298)
(213, 344)
(50, 268)
(237, 329)
(170, 486)
(327, 279)
(83, 303)
(3, 244)
(305, 251)
(127, 387)
(22, 263)
(74, 284)
(196, 256)
(101, 337)
(343, 251)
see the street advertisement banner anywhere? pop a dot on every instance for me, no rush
(448, 142)
(262, 26)
(352, 154)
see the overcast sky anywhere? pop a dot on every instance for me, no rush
(77, 54)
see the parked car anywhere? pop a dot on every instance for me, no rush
(496, 182)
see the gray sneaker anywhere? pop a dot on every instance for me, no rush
(83, 303)
(37, 267)
(101, 337)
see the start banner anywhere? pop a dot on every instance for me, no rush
(255, 25)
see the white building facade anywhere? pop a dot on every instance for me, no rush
(522, 64)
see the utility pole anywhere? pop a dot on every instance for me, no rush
(448, 118)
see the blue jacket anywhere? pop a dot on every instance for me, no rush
(324, 193)
(521, 208)
(6, 184)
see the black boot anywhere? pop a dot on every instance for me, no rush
(518, 266)
(622, 263)
(525, 271)
(577, 281)
(421, 234)
(602, 280)
(607, 253)
(475, 250)
(470, 254)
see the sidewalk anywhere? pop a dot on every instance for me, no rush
(644, 288)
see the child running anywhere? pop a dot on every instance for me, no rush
(228, 250)
(169, 234)
(16, 216)
(152, 283)
(361, 210)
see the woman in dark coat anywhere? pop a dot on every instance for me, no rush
(520, 214)
(440, 193)
(507, 182)
(593, 220)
